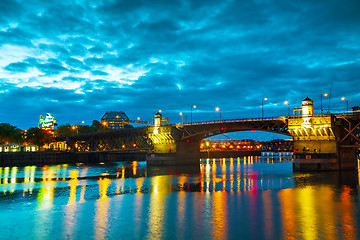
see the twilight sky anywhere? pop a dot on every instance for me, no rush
(78, 59)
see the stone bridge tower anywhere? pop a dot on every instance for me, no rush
(323, 141)
(161, 135)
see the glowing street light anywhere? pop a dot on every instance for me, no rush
(182, 117)
(346, 102)
(262, 107)
(75, 127)
(218, 110)
(325, 95)
(191, 108)
(287, 103)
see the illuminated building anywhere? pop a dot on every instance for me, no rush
(115, 119)
(14, 147)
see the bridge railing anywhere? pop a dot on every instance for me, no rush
(232, 120)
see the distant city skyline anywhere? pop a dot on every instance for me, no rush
(80, 59)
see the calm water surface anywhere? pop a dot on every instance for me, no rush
(240, 198)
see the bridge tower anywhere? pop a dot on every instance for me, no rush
(161, 136)
(323, 141)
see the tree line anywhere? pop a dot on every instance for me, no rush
(36, 136)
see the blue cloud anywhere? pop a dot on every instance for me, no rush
(17, 67)
(83, 58)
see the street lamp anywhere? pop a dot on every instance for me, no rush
(182, 117)
(346, 102)
(262, 107)
(287, 103)
(75, 127)
(191, 108)
(325, 95)
(218, 110)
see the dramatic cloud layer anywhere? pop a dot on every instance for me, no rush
(78, 59)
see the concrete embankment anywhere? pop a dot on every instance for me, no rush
(51, 158)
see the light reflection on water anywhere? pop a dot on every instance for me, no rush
(248, 198)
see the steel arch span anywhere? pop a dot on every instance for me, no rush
(202, 130)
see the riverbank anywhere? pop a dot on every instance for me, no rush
(53, 158)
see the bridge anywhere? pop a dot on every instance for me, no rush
(321, 142)
(164, 138)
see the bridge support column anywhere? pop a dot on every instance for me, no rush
(346, 138)
(188, 152)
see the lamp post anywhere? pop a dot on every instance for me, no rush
(75, 127)
(218, 110)
(287, 103)
(182, 119)
(325, 95)
(346, 102)
(262, 107)
(191, 108)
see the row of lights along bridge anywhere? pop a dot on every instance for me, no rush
(217, 109)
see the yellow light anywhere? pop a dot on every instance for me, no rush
(82, 122)
(325, 94)
(159, 110)
(217, 109)
(265, 99)
(117, 116)
(194, 106)
(286, 102)
(180, 113)
(138, 118)
(104, 123)
(343, 98)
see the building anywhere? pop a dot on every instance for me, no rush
(114, 119)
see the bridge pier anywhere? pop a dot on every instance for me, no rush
(188, 152)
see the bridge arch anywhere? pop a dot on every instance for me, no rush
(202, 130)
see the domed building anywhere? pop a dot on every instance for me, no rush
(115, 119)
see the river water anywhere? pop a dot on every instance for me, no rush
(240, 198)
